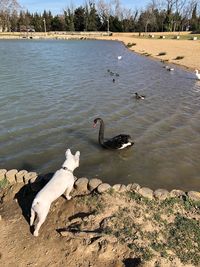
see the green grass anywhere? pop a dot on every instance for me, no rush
(111, 191)
(169, 36)
(4, 183)
(184, 239)
(92, 202)
(180, 235)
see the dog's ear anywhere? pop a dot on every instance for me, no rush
(77, 155)
(68, 152)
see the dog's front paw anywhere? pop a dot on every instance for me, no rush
(68, 197)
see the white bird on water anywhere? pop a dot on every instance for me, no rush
(119, 57)
(197, 74)
(169, 68)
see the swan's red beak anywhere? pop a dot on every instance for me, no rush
(94, 125)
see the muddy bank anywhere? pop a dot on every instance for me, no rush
(100, 226)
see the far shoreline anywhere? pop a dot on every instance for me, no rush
(170, 50)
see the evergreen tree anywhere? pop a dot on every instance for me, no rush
(58, 23)
(37, 22)
(79, 19)
(194, 22)
(69, 20)
(93, 20)
(115, 24)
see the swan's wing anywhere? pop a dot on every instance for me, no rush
(118, 141)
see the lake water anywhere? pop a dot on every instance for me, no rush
(51, 91)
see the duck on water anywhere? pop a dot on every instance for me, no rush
(137, 96)
(120, 141)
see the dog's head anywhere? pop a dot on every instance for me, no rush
(72, 161)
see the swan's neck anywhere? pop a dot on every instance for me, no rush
(101, 132)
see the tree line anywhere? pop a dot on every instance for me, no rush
(101, 15)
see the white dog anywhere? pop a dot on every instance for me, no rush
(63, 180)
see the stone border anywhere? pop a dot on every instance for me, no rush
(83, 186)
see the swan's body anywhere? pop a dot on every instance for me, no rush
(119, 57)
(197, 74)
(118, 142)
(137, 96)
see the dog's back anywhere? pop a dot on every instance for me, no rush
(56, 186)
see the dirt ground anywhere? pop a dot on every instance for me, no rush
(112, 230)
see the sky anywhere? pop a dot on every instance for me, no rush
(56, 7)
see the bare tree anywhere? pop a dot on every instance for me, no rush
(147, 17)
(7, 8)
(104, 11)
(129, 18)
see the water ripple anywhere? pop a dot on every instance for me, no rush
(51, 91)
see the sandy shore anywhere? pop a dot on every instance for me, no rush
(188, 50)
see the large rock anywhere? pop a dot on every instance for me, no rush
(194, 195)
(103, 188)
(119, 187)
(94, 183)
(161, 194)
(20, 176)
(81, 186)
(2, 174)
(11, 176)
(133, 187)
(146, 192)
(30, 175)
(177, 193)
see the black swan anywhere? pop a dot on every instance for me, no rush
(118, 142)
(139, 96)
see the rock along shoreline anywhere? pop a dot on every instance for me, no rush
(84, 186)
